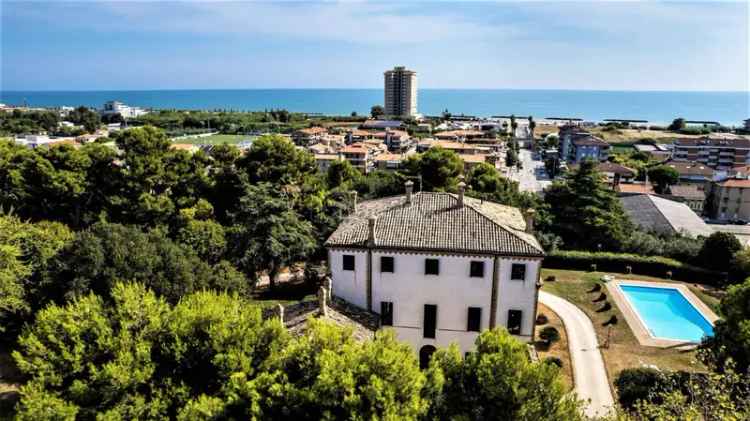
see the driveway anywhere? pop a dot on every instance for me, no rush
(589, 374)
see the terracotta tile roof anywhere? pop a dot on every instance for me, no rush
(459, 133)
(360, 133)
(312, 131)
(435, 222)
(610, 167)
(634, 188)
(589, 140)
(734, 182)
(472, 158)
(390, 157)
(692, 168)
(354, 148)
(395, 133)
(687, 191)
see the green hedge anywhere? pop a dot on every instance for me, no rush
(641, 265)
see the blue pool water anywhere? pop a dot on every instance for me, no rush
(667, 313)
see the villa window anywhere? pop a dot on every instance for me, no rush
(431, 267)
(477, 269)
(475, 319)
(348, 262)
(386, 264)
(514, 321)
(518, 272)
(386, 313)
(430, 320)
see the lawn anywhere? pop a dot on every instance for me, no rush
(558, 349)
(216, 139)
(623, 351)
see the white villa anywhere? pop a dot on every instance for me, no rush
(438, 267)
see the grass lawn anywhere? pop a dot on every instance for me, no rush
(632, 135)
(558, 349)
(624, 351)
(216, 139)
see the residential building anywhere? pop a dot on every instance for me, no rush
(578, 145)
(126, 111)
(381, 124)
(308, 136)
(657, 151)
(747, 124)
(654, 213)
(324, 160)
(459, 135)
(438, 267)
(389, 161)
(400, 92)
(358, 154)
(728, 199)
(720, 153)
(693, 195)
(615, 173)
(396, 140)
(693, 172)
(457, 147)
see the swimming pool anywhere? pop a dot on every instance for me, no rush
(666, 313)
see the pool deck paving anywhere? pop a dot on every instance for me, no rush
(589, 373)
(637, 325)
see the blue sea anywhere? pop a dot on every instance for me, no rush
(729, 108)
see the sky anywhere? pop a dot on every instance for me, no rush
(123, 45)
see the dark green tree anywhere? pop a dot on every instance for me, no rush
(663, 176)
(377, 111)
(731, 338)
(718, 251)
(380, 184)
(268, 233)
(106, 253)
(274, 159)
(438, 167)
(497, 381)
(677, 124)
(584, 212)
(85, 117)
(342, 174)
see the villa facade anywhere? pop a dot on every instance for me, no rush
(438, 267)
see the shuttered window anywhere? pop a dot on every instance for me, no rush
(386, 313)
(431, 267)
(386, 264)
(430, 320)
(475, 319)
(348, 262)
(477, 269)
(518, 272)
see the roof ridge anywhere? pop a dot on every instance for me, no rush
(509, 230)
(658, 209)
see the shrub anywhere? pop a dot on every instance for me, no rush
(641, 265)
(549, 334)
(634, 384)
(541, 319)
(554, 361)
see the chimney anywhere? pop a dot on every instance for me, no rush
(461, 189)
(371, 231)
(528, 216)
(354, 201)
(409, 188)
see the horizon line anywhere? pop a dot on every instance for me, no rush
(379, 88)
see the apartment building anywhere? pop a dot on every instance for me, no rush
(720, 153)
(400, 92)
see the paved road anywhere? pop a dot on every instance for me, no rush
(589, 374)
(532, 177)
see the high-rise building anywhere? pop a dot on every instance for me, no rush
(400, 92)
